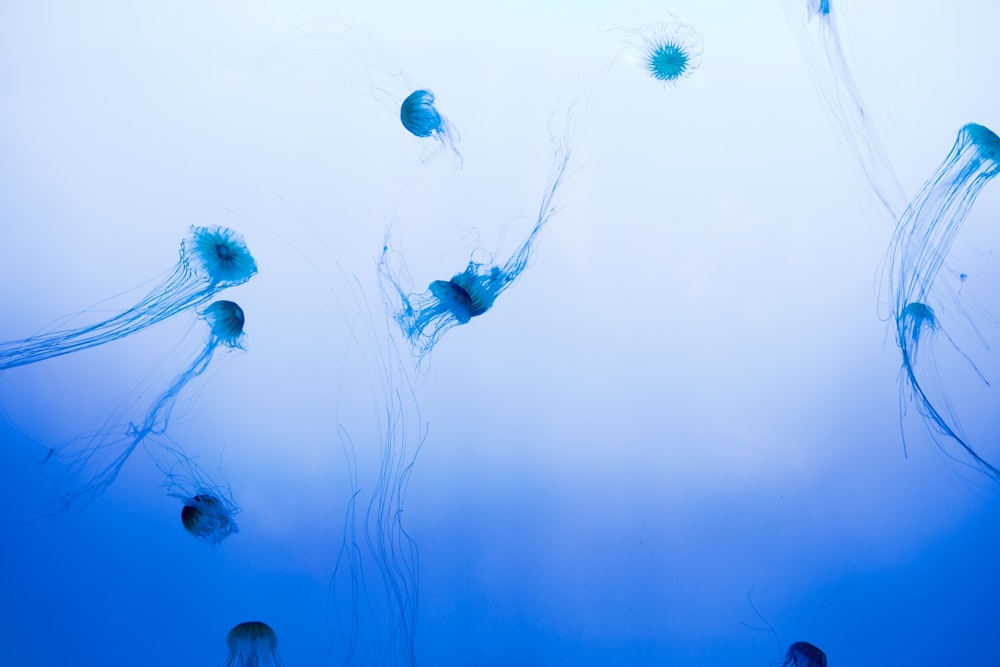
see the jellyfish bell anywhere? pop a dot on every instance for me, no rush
(668, 52)
(222, 255)
(419, 115)
(209, 518)
(226, 320)
(804, 654)
(252, 644)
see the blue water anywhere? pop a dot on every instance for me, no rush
(681, 437)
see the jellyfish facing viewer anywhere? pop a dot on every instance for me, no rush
(804, 654)
(917, 295)
(252, 644)
(425, 317)
(668, 52)
(211, 259)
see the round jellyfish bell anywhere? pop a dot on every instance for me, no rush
(804, 654)
(208, 517)
(668, 52)
(253, 644)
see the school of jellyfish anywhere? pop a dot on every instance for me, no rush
(373, 589)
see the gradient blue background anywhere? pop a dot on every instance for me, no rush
(688, 394)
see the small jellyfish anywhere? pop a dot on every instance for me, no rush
(919, 247)
(208, 518)
(419, 115)
(668, 52)
(804, 654)
(425, 317)
(225, 320)
(211, 259)
(253, 644)
(823, 50)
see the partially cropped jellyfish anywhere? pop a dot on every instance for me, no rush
(252, 644)
(425, 317)
(917, 295)
(804, 654)
(419, 115)
(225, 320)
(825, 53)
(211, 259)
(668, 52)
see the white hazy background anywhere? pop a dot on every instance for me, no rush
(688, 395)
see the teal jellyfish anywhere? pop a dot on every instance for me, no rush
(210, 516)
(668, 52)
(918, 250)
(425, 317)
(422, 119)
(804, 654)
(211, 259)
(252, 644)
(825, 53)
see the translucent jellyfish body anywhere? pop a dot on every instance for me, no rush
(252, 644)
(425, 317)
(804, 654)
(917, 295)
(824, 51)
(668, 52)
(211, 259)
(212, 507)
(422, 119)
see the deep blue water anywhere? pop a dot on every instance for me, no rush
(680, 437)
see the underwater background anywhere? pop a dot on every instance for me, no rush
(681, 437)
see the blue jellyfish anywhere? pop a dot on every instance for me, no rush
(804, 654)
(919, 247)
(841, 93)
(419, 115)
(425, 317)
(253, 644)
(668, 52)
(211, 259)
(208, 511)
(225, 320)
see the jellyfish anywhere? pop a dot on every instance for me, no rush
(425, 317)
(804, 654)
(225, 320)
(918, 250)
(252, 644)
(668, 52)
(419, 115)
(842, 96)
(211, 259)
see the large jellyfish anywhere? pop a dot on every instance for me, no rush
(425, 317)
(918, 298)
(209, 510)
(668, 52)
(804, 654)
(211, 259)
(825, 54)
(253, 644)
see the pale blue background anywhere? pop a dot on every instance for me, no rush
(688, 395)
